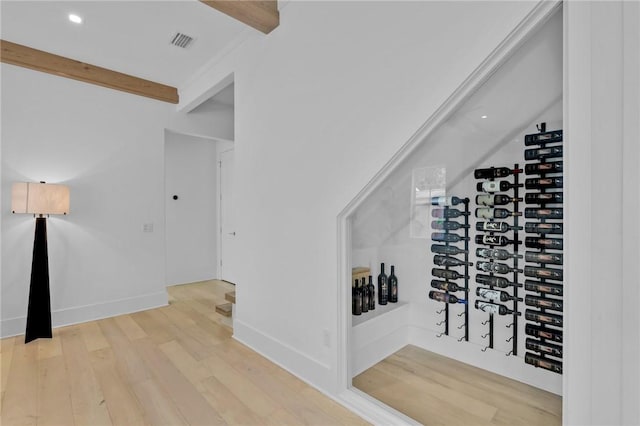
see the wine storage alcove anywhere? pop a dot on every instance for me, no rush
(469, 280)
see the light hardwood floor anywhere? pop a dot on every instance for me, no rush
(176, 365)
(436, 390)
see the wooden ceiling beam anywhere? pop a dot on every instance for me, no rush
(27, 57)
(262, 15)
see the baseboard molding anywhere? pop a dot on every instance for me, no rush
(375, 351)
(78, 314)
(309, 370)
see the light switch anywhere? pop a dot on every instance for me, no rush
(147, 227)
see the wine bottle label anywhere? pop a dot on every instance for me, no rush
(484, 200)
(546, 363)
(492, 226)
(539, 168)
(447, 225)
(540, 287)
(435, 248)
(492, 240)
(541, 153)
(543, 333)
(446, 286)
(542, 138)
(447, 213)
(555, 213)
(552, 258)
(493, 172)
(492, 308)
(543, 228)
(544, 318)
(543, 347)
(544, 303)
(545, 243)
(548, 273)
(535, 183)
(491, 294)
(500, 282)
(446, 237)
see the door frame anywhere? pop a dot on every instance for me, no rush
(222, 148)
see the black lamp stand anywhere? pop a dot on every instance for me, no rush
(39, 310)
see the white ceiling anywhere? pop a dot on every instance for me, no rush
(132, 37)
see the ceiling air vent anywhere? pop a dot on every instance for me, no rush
(182, 40)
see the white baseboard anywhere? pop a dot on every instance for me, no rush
(312, 371)
(78, 314)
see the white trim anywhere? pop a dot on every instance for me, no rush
(536, 18)
(303, 366)
(79, 314)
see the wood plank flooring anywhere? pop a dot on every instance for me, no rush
(436, 390)
(175, 365)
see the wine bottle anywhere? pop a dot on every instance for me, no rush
(365, 296)
(494, 172)
(494, 199)
(447, 274)
(446, 201)
(447, 225)
(552, 258)
(447, 237)
(546, 363)
(543, 303)
(491, 294)
(544, 137)
(383, 287)
(543, 317)
(541, 153)
(372, 294)
(449, 261)
(540, 287)
(447, 213)
(446, 298)
(493, 240)
(543, 198)
(496, 254)
(555, 213)
(539, 168)
(498, 268)
(495, 186)
(495, 227)
(393, 286)
(543, 333)
(543, 183)
(447, 286)
(357, 299)
(543, 228)
(543, 347)
(435, 248)
(489, 213)
(548, 273)
(500, 282)
(492, 308)
(543, 243)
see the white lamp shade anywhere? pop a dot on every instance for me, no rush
(39, 198)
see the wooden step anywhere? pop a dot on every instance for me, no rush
(230, 296)
(224, 309)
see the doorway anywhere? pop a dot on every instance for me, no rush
(227, 231)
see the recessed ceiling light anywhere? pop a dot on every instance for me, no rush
(484, 116)
(75, 18)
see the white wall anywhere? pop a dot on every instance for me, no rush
(321, 104)
(108, 146)
(191, 220)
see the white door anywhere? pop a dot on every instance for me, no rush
(228, 249)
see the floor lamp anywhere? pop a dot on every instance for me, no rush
(39, 199)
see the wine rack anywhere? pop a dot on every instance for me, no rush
(445, 272)
(495, 290)
(543, 255)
